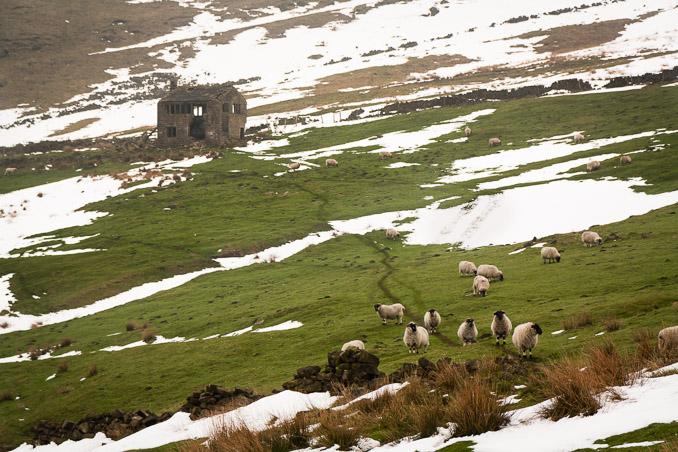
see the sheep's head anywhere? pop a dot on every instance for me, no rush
(483, 292)
(537, 328)
(558, 259)
(501, 276)
(499, 314)
(469, 322)
(432, 311)
(475, 272)
(599, 241)
(412, 326)
(377, 306)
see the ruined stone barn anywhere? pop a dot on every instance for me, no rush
(213, 115)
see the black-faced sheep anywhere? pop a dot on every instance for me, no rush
(392, 234)
(590, 238)
(625, 160)
(494, 142)
(480, 285)
(550, 253)
(385, 155)
(668, 339)
(467, 131)
(525, 337)
(432, 320)
(501, 326)
(331, 162)
(490, 272)
(467, 332)
(356, 344)
(415, 338)
(467, 268)
(392, 312)
(593, 165)
(578, 138)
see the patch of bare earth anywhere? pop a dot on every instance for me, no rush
(578, 37)
(75, 126)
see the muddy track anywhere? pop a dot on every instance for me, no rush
(381, 283)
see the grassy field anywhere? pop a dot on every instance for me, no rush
(331, 287)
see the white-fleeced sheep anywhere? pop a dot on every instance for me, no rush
(481, 285)
(501, 326)
(415, 338)
(356, 344)
(467, 268)
(467, 332)
(295, 165)
(490, 272)
(591, 238)
(432, 320)
(392, 234)
(9, 171)
(390, 312)
(668, 339)
(593, 165)
(331, 162)
(385, 155)
(625, 160)
(525, 337)
(467, 131)
(494, 142)
(550, 253)
(578, 138)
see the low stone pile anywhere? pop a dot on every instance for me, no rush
(215, 397)
(352, 367)
(115, 425)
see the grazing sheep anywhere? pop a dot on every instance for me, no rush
(385, 155)
(525, 337)
(550, 253)
(668, 339)
(578, 138)
(591, 238)
(415, 338)
(295, 165)
(480, 285)
(593, 165)
(495, 142)
(467, 268)
(490, 272)
(392, 312)
(9, 171)
(356, 344)
(392, 234)
(432, 320)
(625, 160)
(501, 326)
(467, 332)
(331, 162)
(467, 131)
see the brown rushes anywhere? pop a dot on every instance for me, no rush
(579, 320)
(4, 325)
(131, 326)
(65, 342)
(474, 408)
(62, 367)
(612, 323)
(572, 389)
(148, 336)
(92, 370)
(647, 350)
(607, 362)
(336, 428)
(6, 395)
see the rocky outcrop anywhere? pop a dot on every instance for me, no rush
(215, 397)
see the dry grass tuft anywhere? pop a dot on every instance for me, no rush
(65, 342)
(131, 326)
(62, 367)
(65, 389)
(448, 377)
(148, 335)
(579, 320)
(612, 323)
(6, 395)
(647, 350)
(612, 368)
(336, 428)
(573, 390)
(92, 370)
(474, 408)
(4, 325)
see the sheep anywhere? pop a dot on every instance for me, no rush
(432, 320)
(490, 272)
(467, 131)
(467, 332)
(578, 138)
(593, 165)
(590, 238)
(668, 339)
(501, 326)
(331, 162)
(625, 160)
(385, 155)
(467, 268)
(480, 285)
(386, 312)
(525, 337)
(9, 171)
(294, 165)
(356, 344)
(392, 234)
(495, 142)
(550, 253)
(415, 338)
